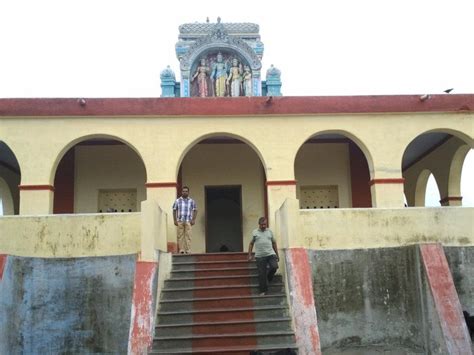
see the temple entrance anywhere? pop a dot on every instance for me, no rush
(223, 218)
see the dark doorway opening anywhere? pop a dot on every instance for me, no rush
(223, 219)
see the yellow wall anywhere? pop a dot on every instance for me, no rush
(379, 228)
(224, 164)
(325, 164)
(70, 235)
(106, 167)
(162, 142)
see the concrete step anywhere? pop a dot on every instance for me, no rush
(210, 257)
(221, 291)
(222, 314)
(265, 349)
(219, 341)
(225, 327)
(215, 281)
(222, 302)
(206, 265)
(178, 274)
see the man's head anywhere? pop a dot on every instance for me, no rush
(185, 191)
(262, 223)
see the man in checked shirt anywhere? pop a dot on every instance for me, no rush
(184, 215)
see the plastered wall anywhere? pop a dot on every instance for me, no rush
(325, 164)
(106, 167)
(224, 164)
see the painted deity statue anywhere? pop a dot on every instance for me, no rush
(235, 78)
(247, 81)
(201, 75)
(219, 75)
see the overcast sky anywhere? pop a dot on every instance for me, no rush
(104, 48)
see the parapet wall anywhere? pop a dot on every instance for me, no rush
(65, 236)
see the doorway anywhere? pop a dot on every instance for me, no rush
(223, 219)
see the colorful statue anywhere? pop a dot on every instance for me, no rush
(247, 81)
(201, 74)
(235, 78)
(219, 75)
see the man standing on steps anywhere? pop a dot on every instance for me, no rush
(266, 253)
(184, 215)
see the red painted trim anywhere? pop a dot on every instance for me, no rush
(161, 184)
(303, 309)
(450, 198)
(445, 299)
(172, 247)
(3, 261)
(386, 181)
(141, 331)
(280, 183)
(247, 106)
(35, 187)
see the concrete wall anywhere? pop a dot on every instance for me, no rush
(325, 164)
(50, 306)
(368, 297)
(71, 235)
(224, 164)
(378, 228)
(461, 263)
(106, 167)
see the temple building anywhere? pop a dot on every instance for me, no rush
(88, 245)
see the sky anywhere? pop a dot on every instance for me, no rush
(104, 48)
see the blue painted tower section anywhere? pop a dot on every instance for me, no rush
(168, 83)
(273, 82)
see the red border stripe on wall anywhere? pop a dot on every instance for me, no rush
(3, 261)
(36, 187)
(386, 181)
(161, 184)
(281, 183)
(450, 198)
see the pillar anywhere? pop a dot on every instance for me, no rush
(36, 199)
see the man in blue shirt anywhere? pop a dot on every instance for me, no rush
(266, 254)
(184, 215)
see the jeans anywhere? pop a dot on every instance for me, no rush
(263, 275)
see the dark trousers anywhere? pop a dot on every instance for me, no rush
(263, 275)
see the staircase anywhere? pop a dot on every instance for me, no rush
(210, 305)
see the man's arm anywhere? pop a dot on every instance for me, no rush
(250, 250)
(193, 220)
(275, 248)
(175, 217)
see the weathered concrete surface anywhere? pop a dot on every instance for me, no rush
(143, 307)
(65, 236)
(448, 308)
(51, 306)
(303, 311)
(368, 297)
(359, 228)
(461, 263)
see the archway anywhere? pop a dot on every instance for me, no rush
(227, 180)
(332, 171)
(10, 178)
(441, 152)
(99, 174)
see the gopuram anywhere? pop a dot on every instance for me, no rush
(220, 60)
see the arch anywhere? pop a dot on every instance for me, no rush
(438, 190)
(455, 170)
(219, 134)
(6, 198)
(351, 136)
(77, 140)
(10, 175)
(420, 187)
(235, 45)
